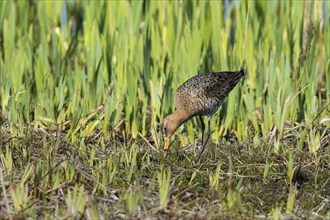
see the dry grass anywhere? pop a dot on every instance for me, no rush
(243, 187)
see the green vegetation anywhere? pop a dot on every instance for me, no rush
(84, 86)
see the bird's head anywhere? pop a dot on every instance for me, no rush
(169, 126)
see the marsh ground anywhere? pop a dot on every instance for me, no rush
(100, 177)
(84, 86)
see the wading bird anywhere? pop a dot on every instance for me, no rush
(201, 95)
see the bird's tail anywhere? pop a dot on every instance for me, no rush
(238, 75)
(242, 72)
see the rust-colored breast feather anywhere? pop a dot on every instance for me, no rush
(204, 93)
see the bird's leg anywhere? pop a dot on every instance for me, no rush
(206, 139)
(203, 127)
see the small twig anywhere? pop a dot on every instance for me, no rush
(320, 112)
(84, 116)
(116, 128)
(93, 179)
(49, 171)
(65, 123)
(150, 145)
(189, 146)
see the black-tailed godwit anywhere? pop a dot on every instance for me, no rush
(201, 95)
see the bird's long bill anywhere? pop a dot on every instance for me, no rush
(166, 145)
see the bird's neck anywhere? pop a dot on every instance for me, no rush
(180, 117)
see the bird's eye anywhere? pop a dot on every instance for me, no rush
(165, 129)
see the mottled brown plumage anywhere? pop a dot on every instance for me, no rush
(201, 95)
